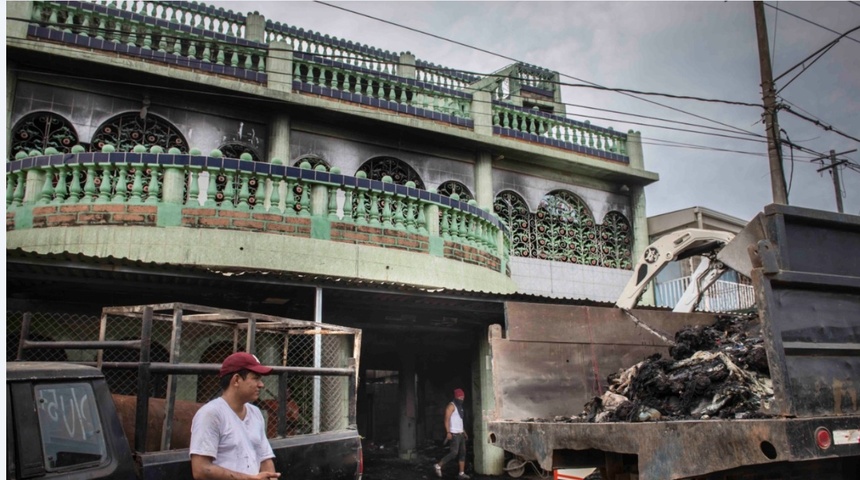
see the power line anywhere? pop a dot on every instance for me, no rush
(821, 50)
(808, 21)
(823, 125)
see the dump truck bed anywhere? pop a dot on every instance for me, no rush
(805, 267)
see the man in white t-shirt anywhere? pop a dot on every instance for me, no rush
(228, 434)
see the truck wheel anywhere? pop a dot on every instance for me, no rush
(516, 467)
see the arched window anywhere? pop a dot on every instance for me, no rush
(513, 210)
(452, 186)
(564, 229)
(399, 171)
(615, 242)
(314, 160)
(236, 149)
(40, 130)
(128, 129)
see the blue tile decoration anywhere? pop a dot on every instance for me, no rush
(363, 183)
(424, 195)
(231, 164)
(388, 187)
(181, 160)
(401, 189)
(262, 168)
(214, 163)
(293, 172)
(133, 157)
(307, 174)
(101, 158)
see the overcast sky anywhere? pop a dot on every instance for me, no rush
(702, 49)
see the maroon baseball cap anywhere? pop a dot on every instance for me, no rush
(458, 392)
(243, 361)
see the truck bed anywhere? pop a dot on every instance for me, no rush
(805, 269)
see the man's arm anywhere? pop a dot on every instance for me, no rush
(268, 465)
(202, 468)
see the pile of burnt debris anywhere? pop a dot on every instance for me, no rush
(717, 371)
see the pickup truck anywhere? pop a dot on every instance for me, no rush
(63, 421)
(805, 268)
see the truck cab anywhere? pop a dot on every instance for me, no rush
(62, 423)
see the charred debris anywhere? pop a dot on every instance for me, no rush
(718, 371)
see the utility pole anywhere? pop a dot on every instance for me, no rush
(834, 173)
(768, 91)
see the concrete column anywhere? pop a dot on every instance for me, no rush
(634, 150)
(407, 397)
(11, 87)
(279, 138)
(556, 97)
(319, 200)
(18, 15)
(406, 68)
(489, 459)
(255, 27)
(279, 66)
(431, 216)
(482, 112)
(640, 233)
(33, 188)
(173, 186)
(484, 180)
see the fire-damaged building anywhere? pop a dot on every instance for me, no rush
(175, 152)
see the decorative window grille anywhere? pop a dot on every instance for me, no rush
(41, 130)
(127, 130)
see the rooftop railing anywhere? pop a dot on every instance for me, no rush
(200, 37)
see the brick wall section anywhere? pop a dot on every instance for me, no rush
(10, 221)
(247, 221)
(465, 253)
(379, 237)
(93, 214)
(145, 215)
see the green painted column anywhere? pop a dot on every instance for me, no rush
(406, 67)
(634, 150)
(640, 234)
(279, 138)
(11, 86)
(482, 112)
(255, 27)
(489, 459)
(484, 180)
(279, 66)
(18, 15)
(637, 207)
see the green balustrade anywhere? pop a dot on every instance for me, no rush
(560, 129)
(117, 29)
(117, 182)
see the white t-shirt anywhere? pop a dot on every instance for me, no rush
(456, 423)
(235, 444)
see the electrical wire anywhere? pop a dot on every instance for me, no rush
(808, 21)
(826, 127)
(823, 49)
(773, 43)
(791, 172)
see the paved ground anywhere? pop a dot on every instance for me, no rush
(381, 462)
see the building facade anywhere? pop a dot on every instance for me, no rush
(164, 151)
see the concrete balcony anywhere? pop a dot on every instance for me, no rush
(205, 210)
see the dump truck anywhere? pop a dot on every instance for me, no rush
(78, 418)
(805, 268)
